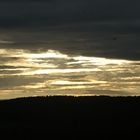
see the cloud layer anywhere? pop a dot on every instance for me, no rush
(104, 28)
(50, 47)
(53, 12)
(54, 73)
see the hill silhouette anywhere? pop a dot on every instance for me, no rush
(101, 114)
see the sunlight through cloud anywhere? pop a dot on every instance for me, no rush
(54, 71)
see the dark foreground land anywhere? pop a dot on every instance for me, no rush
(43, 115)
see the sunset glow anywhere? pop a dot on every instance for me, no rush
(50, 72)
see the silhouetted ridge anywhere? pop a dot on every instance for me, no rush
(70, 114)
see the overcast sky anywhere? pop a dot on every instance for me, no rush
(32, 12)
(54, 11)
(108, 28)
(61, 47)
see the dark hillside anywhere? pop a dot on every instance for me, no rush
(70, 115)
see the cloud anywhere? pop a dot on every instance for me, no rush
(104, 28)
(33, 73)
(11, 82)
(52, 12)
(113, 44)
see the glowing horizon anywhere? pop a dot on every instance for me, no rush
(53, 71)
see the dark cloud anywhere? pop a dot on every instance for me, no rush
(53, 12)
(9, 67)
(108, 28)
(14, 81)
(102, 44)
(4, 59)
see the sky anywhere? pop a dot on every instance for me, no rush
(69, 47)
